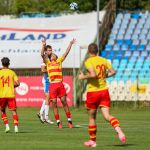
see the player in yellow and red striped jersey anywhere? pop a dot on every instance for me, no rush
(97, 93)
(8, 82)
(57, 90)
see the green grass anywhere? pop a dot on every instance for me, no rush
(36, 136)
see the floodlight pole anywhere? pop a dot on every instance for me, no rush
(98, 42)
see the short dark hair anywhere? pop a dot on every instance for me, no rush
(5, 61)
(48, 46)
(92, 48)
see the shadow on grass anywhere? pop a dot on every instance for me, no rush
(124, 145)
(27, 132)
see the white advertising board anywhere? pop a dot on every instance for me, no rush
(20, 39)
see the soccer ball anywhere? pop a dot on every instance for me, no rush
(73, 6)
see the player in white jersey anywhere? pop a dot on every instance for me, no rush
(44, 111)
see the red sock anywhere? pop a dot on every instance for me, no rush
(4, 118)
(15, 118)
(57, 117)
(92, 132)
(114, 122)
(68, 114)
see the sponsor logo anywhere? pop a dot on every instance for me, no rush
(31, 36)
(22, 89)
(16, 34)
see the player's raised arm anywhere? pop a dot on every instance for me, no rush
(43, 51)
(43, 47)
(68, 49)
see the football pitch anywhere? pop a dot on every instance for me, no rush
(36, 136)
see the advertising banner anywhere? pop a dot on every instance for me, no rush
(30, 93)
(20, 38)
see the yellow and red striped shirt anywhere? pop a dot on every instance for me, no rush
(54, 70)
(7, 79)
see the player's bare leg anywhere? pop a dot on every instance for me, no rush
(56, 113)
(91, 128)
(46, 117)
(67, 111)
(15, 120)
(5, 120)
(114, 122)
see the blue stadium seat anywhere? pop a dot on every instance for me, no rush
(136, 53)
(112, 54)
(137, 32)
(138, 67)
(134, 37)
(148, 47)
(140, 59)
(124, 47)
(129, 31)
(103, 53)
(132, 48)
(135, 16)
(120, 41)
(122, 68)
(109, 57)
(118, 57)
(142, 36)
(120, 53)
(128, 41)
(116, 47)
(148, 36)
(136, 42)
(123, 65)
(111, 42)
(127, 36)
(108, 47)
(130, 65)
(133, 59)
(141, 48)
(124, 61)
(143, 42)
(146, 65)
(144, 31)
(144, 53)
(128, 53)
(138, 64)
(115, 61)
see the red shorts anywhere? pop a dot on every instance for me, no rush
(10, 102)
(98, 99)
(57, 90)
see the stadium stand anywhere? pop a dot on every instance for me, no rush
(128, 48)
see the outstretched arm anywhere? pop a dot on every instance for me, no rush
(43, 47)
(68, 49)
(43, 54)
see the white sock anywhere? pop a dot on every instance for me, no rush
(46, 111)
(69, 119)
(42, 108)
(58, 121)
(7, 125)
